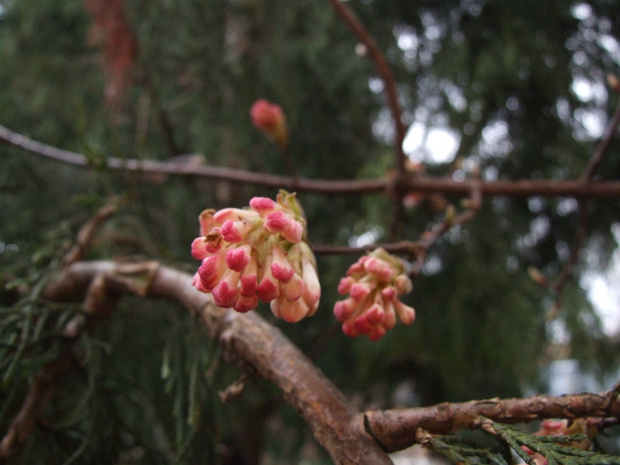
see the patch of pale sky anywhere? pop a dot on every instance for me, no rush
(435, 145)
(603, 290)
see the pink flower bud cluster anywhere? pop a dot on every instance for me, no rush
(374, 283)
(269, 118)
(585, 426)
(258, 253)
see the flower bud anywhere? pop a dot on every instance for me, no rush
(258, 253)
(374, 284)
(269, 118)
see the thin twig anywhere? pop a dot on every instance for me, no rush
(86, 233)
(557, 286)
(602, 147)
(362, 34)
(431, 236)
(413, 183)
(405, 247)
(378, 58)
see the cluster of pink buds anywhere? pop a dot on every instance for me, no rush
(374, 284)
(258, 253)
(269, 118)
(585, 426)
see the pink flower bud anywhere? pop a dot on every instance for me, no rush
(268, 287)
(379, 268)
(349, 329)
(207, 222)
(211, 271)
(291, 312)
(263, 205)
(238, 258)
(403, 284)
(293, 289)
(343, 309)
(358, 266)
(375, 315)
(377, 333)
(246, 303)
(280, 267)
(362, 325)
(312, 287)
(225, 293)
(235, 231)
(277, 222)
(389, 293)
(269, 118)
(294, 233)
(345, 285)
(359, 291)
(248, 282)
(389, 320)
(275, 308)
(405, 313)
(198, 249)
(225, 214)
(197, 283)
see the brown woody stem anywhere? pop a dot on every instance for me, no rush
(248, 340)
(395, 429)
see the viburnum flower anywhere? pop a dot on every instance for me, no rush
(583, 426)
(374, 284)
(269, 118)
(258, 253)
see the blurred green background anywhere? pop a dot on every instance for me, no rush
(516, 88)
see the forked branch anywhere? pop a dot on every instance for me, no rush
(261, 349)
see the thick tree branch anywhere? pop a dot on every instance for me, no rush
(248, 340)
(262, 350)
(395, 429)
(403, 184)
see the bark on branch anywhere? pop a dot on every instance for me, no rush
(260, 348)
(398, 185)
(248, 340)
(395, 429)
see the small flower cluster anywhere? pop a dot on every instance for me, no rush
(269, 118)
(258, 253)
(564, 428)
(374, 283)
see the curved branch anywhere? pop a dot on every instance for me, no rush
(248, 340)
(260, 348)
(194, 170)
(406, 183)
(385, 72)
(395, 429)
